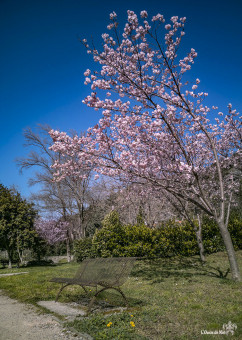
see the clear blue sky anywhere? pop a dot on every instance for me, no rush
(42, 62)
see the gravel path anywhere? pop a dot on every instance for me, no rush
(22, 322)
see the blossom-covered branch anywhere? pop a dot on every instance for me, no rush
(155, 128)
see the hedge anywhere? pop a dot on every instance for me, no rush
(171, 239)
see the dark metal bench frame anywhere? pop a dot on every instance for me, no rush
(109, 273)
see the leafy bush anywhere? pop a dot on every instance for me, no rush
(139, 241)
(110, 240)
(235, 229)
(83, 249)
(111, 220)
(212, 240)
(173, 238)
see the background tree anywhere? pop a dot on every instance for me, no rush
(59, 199)
(155, 206)
(16, 223)
(52, 231)
(155, 129)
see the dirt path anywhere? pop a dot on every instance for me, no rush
(22, 322)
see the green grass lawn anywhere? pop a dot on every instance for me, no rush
(173, 298)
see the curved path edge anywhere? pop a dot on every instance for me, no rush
(19, 321)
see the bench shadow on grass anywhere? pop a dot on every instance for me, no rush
(158, 270)
(108, 299)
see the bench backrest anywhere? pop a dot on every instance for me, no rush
(112, 271)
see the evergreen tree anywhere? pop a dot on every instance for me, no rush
(16, 223)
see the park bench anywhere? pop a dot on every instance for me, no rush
(108, 273)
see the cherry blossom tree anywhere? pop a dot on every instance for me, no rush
(51, 230)
(155, 128)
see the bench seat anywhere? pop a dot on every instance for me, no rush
(108, 273)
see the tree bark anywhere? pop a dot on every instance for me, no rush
(9, 263)
(68, 251)
(81, 220)
(228, 211)
(198, 231)
(9, 257)
(230, 251)
(20, 255)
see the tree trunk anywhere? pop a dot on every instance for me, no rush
(230, 251)
(9, 263)
(9, 258)
(228, 211)
(81, 220)
(198, 231)
(68, 251)
(20, 255)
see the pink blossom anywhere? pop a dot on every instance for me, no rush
(143, 14)
(158, 17)
(113, 15)
(87, 73)
(51, 230)
(168, 26)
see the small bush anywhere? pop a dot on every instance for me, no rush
(175, 238)
(83, 249)
(111, 220)
(235, 229)
(109, 241)
(211, 236)
(139, 241)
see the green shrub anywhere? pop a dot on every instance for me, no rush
(212, 240)
(173, 238)
(111, 220)
(139, 241)
(83, 249)
(235, 229)
(109, 241)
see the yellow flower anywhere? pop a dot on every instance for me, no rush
(109, 324)
(132, 324)
(131, 316)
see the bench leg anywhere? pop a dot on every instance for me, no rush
(122, 293)
(62, 287)
(84, 288)
(68, 284)
(101, 290)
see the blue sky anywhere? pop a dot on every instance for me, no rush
(42, 62)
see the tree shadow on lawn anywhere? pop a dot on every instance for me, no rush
(41, 263)
(157, 270)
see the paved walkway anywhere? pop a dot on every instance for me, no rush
(23, 322)
(11, 274)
